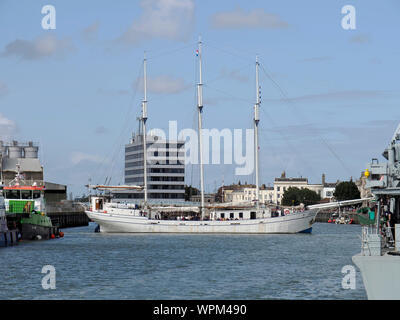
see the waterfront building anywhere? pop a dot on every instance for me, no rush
(165, 170)
(24, 157)
(231, 192)
(208, 198)
(274, 195)
(249, 194)
(324, 189)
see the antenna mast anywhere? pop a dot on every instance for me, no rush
(200, 110)
(256, 121)
(144, 119)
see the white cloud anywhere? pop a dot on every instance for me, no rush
(7, 127)
(239, 18)
(163, 84)
(41, 47)
(170, 19)
(77, 157)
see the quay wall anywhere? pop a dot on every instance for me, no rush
(67, 214)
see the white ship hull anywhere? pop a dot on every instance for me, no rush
(380, 275)
(119, 223)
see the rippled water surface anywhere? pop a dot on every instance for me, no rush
(156, 266)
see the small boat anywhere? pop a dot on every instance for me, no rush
(344, 220)
(25, 210)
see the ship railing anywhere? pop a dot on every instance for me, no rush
(122, 205)
(377, 242)
(371, 241)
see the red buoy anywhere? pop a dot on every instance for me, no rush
(61, 234)
(52, 236)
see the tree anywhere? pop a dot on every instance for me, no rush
(83, 198)
(294, 196)
(190, 191)
(346, 190)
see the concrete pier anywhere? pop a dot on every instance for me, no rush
(67, 214)
(8, 238)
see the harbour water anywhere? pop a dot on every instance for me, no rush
(92, 265)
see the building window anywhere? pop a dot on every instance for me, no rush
(222, 215)
(241, 215)
(231, 215)
(279, 188)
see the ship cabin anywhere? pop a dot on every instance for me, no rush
(23, 199)
(103, 203)
(237, 214)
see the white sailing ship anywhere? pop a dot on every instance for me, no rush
(226, 218)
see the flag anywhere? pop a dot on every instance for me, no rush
(197, 53)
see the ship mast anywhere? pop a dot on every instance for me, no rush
(256, 121)
(200, 110)
(144, 119)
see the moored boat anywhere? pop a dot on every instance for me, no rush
(112, 216)
(116, 217)
(25, 210)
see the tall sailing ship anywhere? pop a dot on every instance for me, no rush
(225, 218)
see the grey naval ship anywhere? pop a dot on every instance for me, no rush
(379, 260)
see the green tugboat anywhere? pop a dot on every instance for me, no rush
(25, 211)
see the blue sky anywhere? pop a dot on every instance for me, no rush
(72, 89)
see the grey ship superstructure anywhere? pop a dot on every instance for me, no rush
(379, 260)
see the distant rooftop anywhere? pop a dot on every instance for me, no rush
(330, 185)
(292, 179)
(284, 179)
(238, 186)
